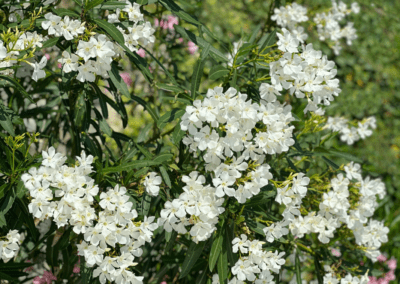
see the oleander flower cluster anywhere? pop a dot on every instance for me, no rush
(9, 245)
(198, 206)
(328, 23)
(350, 200)
(94, 52)
(306, 74)
(234, 134)
(112, 236)
(349, 133)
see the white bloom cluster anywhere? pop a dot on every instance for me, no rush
(328, 24)
(200, 202)
(351, 134)
(306, 74)
(335, 210)
(290, 16)
(222, 125)
(152, 183)
(9, 54)
(93, 57)
(257, 264)
(74, 204)
(9, 245)
(349, 279)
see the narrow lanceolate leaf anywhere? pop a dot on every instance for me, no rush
(218, 55)
(216, 249)
(118, 81)
(65, 12)
(6, 119)
(146, 202)
(165, 176)
(196, 77)
(92, 4)
(192, 255)
(139, 62)
(298, 270)
(318, 269)
(17, 87)
(152, 113)
(217, 72)
(51, 42)
(169, 117)
(163, 157)
(170, 5)
(130, 166)
(267, 40)
(111, 30)
(205, 51)
(170, 88)
(254, 33)
(222, 266)
(113, 5)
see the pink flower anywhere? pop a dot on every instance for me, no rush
(156, 22)
(362, 263)
(47, 56)
(76, 269)
(180, 40)
(192, 47)
(30, 268)
(172, 21)
(37, 280)
(390, 276)
(141, 52)
(392, 264)
(48, 277)
(163, 282)
(381, 258)
(127, 78)
(59, 65)
(336, 253)
(372, 280)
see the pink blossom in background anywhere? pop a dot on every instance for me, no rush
(192, 47)
(382, 281)
(392, 264)
(76, 269)
(372, 280)
(141, 52)
(163, 282)
(172, 21)
(30, 268)
(127, 78)
(362, 263)
(390, 276)
(38, 280)
(47, 56)
(156, 23)
(151, 70)
(59, 65)
(49, 277)
(180, 40)
(382, 258)
(336, 253)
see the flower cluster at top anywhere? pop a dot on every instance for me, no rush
(305, 74)
(9, 245)
(351, 134)
(349, 201)
(328, 26)
(94, 52)
(112, 237)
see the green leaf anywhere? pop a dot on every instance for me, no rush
(170, 88)
(229, 235)
(192, 254)
(218, 55)
(152, 113)
(330, 163)
(163, 157)
(217, 72)
(17, 86)
(169, 117)
(165, 176)
(93, 4)
(6, 119)
(139, 62)
(111, 30)
(65, 12)
(222, 266)
(196, 77)
(216, 248)
(318, 269)
(51, 42)
(28, 219)
(130, 166)
(113, 5)
(146, 202)
(253, 35)
(178, 134)
(118, 81)
(298, 269)
(267, 40)
(345, 155)
(205, 51)
(4, 276)
(105, 127)
(170, 5)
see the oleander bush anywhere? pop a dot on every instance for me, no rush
(162, 141)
